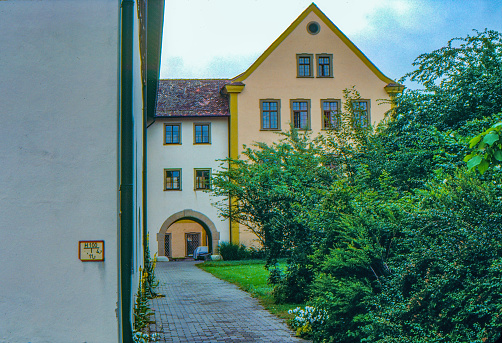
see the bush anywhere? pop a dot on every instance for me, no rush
(292, 286)
(449, 288)
(256, 253)
(231, 252)
(307, 319)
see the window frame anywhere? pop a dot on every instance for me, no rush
(368, 110)
(278, 102)
(195, 183)
(313, 23)
(179, 170)
(311, 65)
(339, 104)
(195, 133)
(330, 57)
(179, 133)
(309, 115)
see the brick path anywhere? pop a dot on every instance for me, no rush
(201, 308)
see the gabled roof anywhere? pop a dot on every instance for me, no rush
(192, 98)
(313, 8)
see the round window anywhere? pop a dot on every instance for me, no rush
(313, 27)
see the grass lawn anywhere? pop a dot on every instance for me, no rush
(251, 276)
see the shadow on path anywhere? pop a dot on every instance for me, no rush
(198, 307)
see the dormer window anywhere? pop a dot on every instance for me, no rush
(304, 65)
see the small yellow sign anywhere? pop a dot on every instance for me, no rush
(91, 251)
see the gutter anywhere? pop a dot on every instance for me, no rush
(126, 168)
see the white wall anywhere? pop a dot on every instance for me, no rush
(58, 181)
(138, 162)
(187, 156)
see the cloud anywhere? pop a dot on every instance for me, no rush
(216, 67)
(222, 38)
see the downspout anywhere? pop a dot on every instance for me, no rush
(126, 167)
(144, 178)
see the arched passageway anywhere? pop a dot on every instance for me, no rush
(213, 235)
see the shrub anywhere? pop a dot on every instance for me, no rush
(307, 319)
(230, 251)
(256, 253)
(449, 287)
(292, 286)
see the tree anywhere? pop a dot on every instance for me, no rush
(449, 286)
(361, 224)
(487, 149)
(270, 188)
(426, 230)
(462, 94)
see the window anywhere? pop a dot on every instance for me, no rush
(330, 114)
(324, 65)
(202, 179)
(172, 133)
(361, 112)
(313, 28)
(270, 114)
(172, 179)
(300, 114)
(202, 133)
(167, 245)
(304, 63)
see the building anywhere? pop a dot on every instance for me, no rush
(79, 82)
(185, 144)
(299, 79)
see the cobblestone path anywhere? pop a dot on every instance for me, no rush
(201, 308)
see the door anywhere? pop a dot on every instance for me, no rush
(193, 241)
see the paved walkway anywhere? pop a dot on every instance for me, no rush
(201, 308)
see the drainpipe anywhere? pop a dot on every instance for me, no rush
(126, 168)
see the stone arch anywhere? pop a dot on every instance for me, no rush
(203, 220)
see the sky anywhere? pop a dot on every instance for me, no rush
(222, 38)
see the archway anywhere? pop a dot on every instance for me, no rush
(201, 219)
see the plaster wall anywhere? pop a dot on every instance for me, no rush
(59, 176)
(178, 239)
(185, 156)
(276, 78)
(138, 120)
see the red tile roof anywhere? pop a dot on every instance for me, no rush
(191, 98)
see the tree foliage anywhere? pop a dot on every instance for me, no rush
(461, 95)
(388, 235)
(487, 149)
(270, 185)
(449, 287)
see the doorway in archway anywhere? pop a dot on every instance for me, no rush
(183, 222)
(183, 237)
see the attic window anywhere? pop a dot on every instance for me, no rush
(313, 28)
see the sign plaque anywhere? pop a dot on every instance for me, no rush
(91, 251)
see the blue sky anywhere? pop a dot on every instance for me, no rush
(222, 38)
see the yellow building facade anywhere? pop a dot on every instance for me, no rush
(299, 80)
